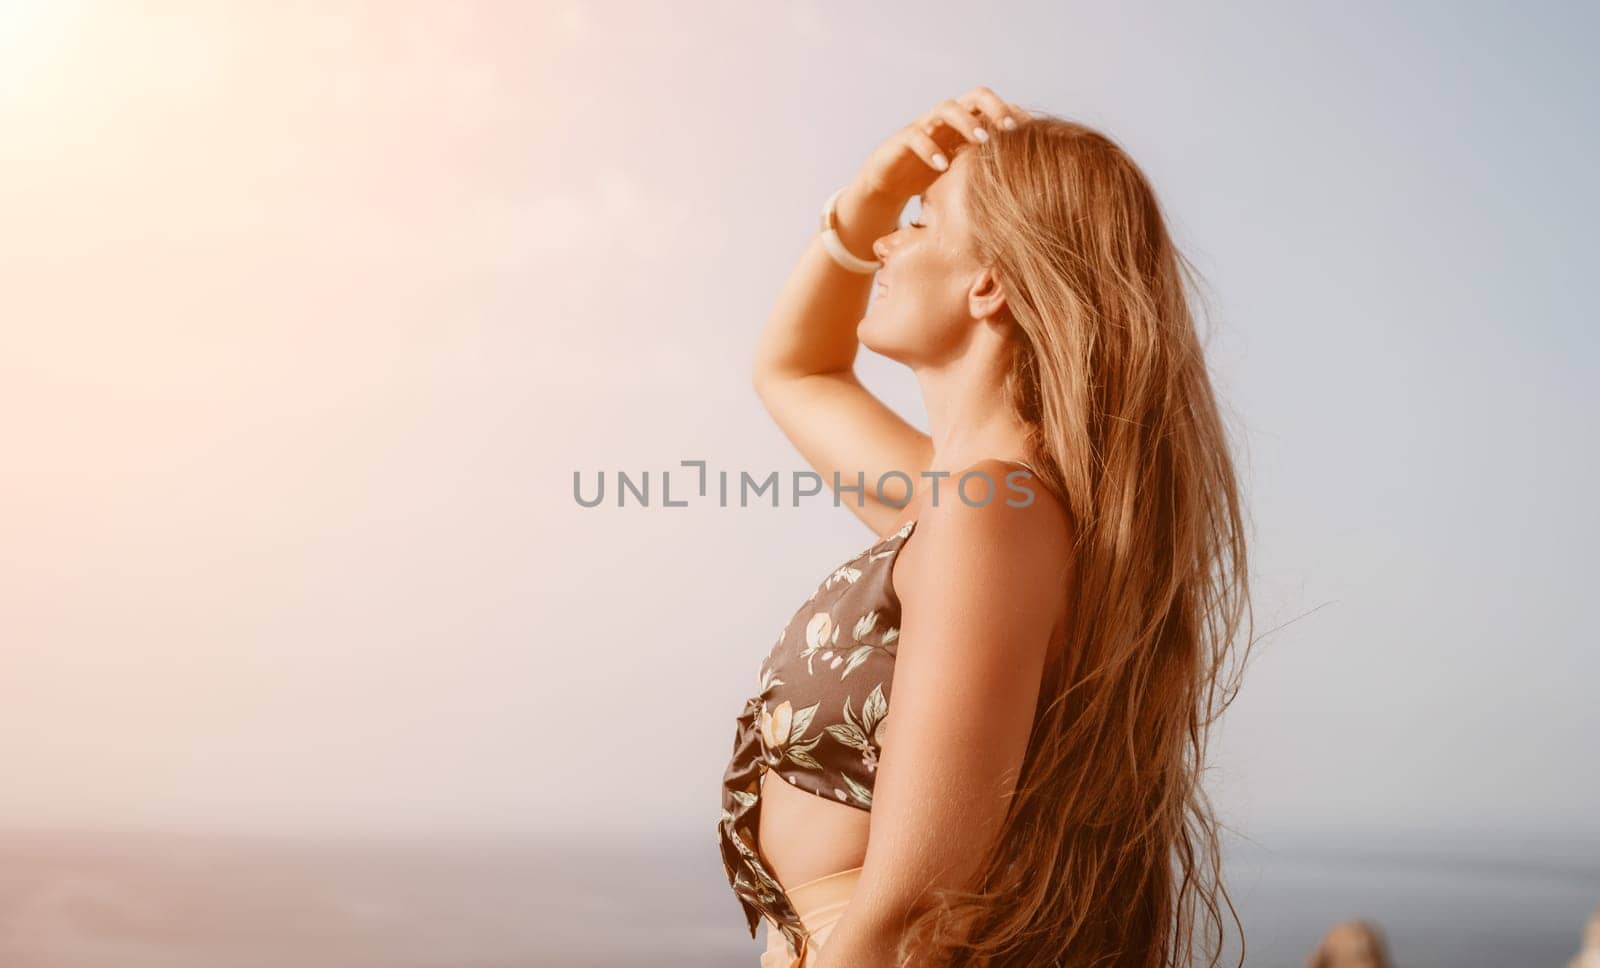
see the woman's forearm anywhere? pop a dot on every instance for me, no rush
(812, 328)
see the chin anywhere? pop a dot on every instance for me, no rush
(866, 332)
(870, 332)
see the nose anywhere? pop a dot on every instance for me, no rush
(880, 248)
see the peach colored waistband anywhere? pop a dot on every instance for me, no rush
(824, 895)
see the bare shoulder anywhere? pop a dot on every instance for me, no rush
(1017, 542)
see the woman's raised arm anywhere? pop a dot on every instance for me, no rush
(805, 360)
(805, 368)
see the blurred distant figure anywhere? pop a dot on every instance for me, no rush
(1353, 944)
(1589, 954)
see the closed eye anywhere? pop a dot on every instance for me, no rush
(916, 225)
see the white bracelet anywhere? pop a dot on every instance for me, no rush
(830, 241)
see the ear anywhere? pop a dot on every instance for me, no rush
(986, 298)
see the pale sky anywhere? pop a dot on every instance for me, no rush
(309, 312)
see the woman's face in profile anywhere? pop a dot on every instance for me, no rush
(919, 311)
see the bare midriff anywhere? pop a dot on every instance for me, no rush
(804, 837)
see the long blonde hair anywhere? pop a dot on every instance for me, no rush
(1110, 852)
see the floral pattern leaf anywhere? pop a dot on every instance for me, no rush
(809, 744)
(802, 721)
(845, 574)
(848, 734)
(849, 717)
(803, 757)
(860, 792)
(865, 624)
(856, 658)
(873, 708)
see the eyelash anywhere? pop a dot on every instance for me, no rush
(916, 225)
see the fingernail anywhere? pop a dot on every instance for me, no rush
(1009, 123)
(980, 134)
(939, 161)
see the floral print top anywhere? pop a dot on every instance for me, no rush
(818, 718)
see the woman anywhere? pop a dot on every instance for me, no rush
(1050, 641)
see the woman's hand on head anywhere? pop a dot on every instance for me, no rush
(909, 160)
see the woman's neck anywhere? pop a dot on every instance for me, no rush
(968, 416)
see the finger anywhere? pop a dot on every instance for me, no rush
(955, 116)
(988, 104)
(995, 107)
(929, 150)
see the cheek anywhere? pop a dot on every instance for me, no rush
(917, 312)
(891, 309)
(905, 326)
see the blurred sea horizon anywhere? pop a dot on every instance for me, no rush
(190, 900)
